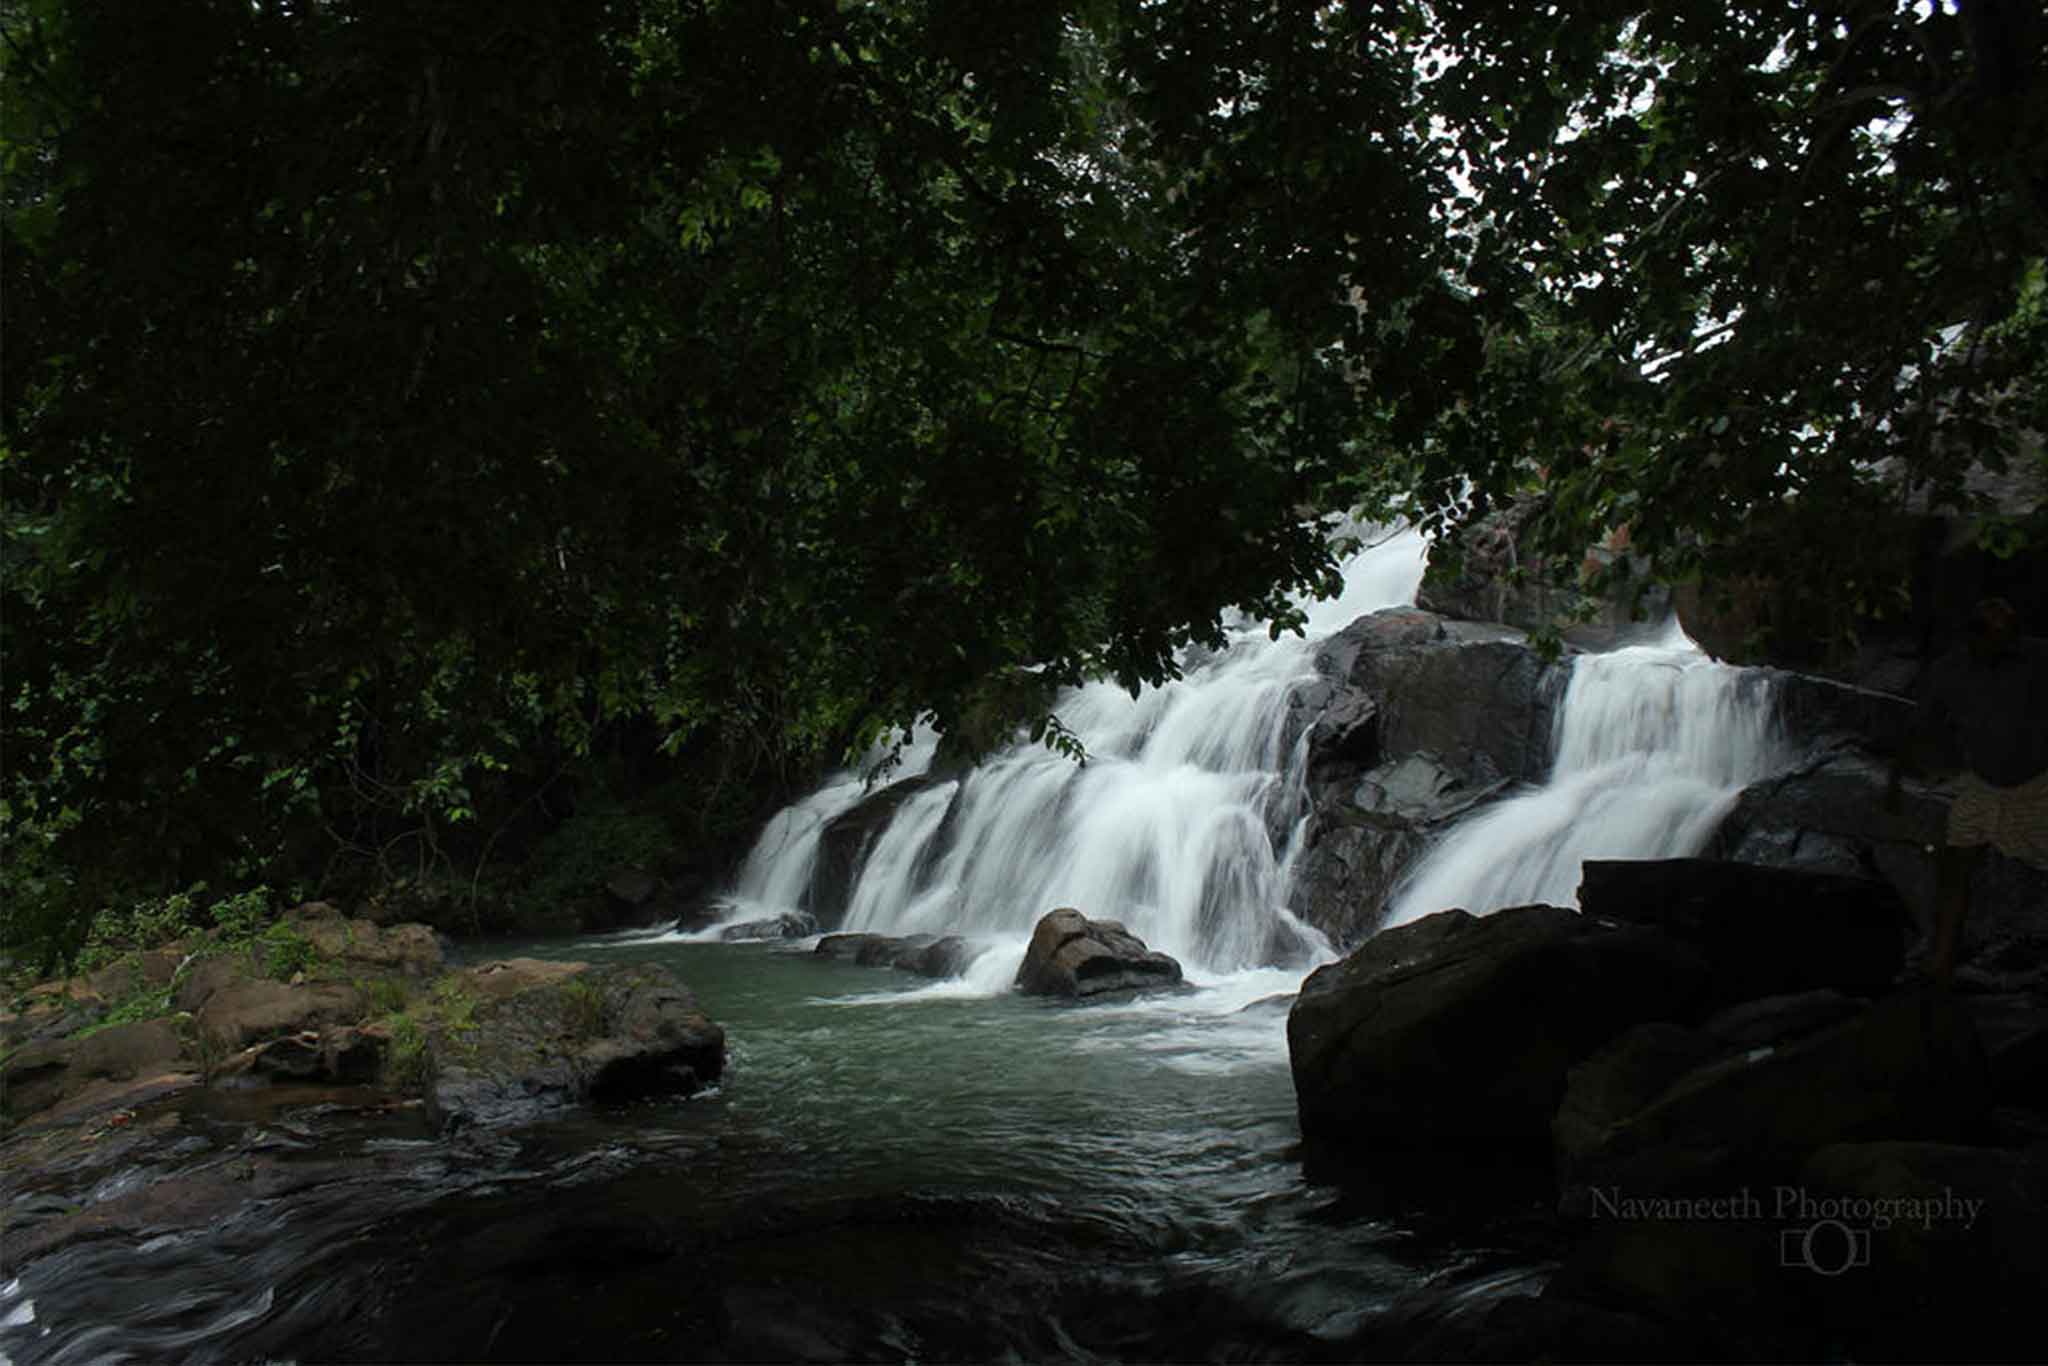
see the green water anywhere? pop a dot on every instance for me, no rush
(1137, 1163)
(890, 1170)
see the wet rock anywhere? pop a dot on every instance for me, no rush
(1413, 721)
(1416, 792)
(789, 925)
(1346, 874)
(924, 954)
(1830, 815)
(699, 915)
(1463, 1027)
(1766, 931)
(46, 1073)
(843, 847)
(206, 976)
(137, 972)
(353, 1055)
(1476, 698)
(1071, 955)
(1663, 1110)
(541, 1037)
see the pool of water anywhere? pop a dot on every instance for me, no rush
(891, 1170)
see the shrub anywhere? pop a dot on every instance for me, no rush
(283, 951)
(410, 1064)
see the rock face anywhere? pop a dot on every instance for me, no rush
(923, 954)
(1456, 1027)
(1830, 815)
(548, 1035)
(844, 845)
(1764, 931)
(1667, 1111)
(1413, 721)
(1071, 955)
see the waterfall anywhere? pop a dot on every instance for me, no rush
(1652, 745)
(1180, 824)
(779, 868)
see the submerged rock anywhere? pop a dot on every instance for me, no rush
(788, 925)
(1071, 955)
(1462, 1027)
(924, 954)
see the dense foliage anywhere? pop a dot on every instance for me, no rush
(407, 404)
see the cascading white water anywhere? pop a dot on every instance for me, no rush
(1179, 825)
(785, 855)
(1653, 744)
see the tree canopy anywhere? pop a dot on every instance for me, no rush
(403, 401)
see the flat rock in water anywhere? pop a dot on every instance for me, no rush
(1071, 955)
(789, 925)
(544, 1037)
(923, 954)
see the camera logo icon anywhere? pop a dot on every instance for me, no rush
(1826, 1247)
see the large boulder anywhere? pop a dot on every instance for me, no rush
(1664, 1110)
(1463, 1028)
(531, 1037)
(1411, 722)
(1477, 698)
(1766, 931)
(1071, 955)
(1830, 814)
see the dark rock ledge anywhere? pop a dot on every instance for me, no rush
(1767, 1143)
